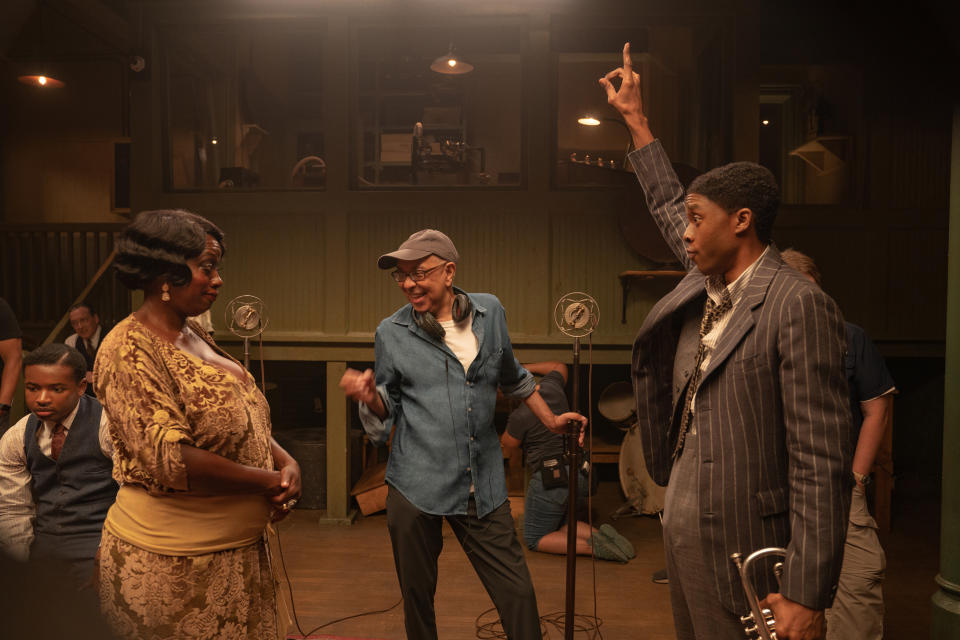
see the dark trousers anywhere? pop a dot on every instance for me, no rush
(74, 552)
(493, 549)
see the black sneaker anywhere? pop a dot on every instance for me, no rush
(660, 577)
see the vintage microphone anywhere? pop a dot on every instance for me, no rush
(246, 317)
(576, 315)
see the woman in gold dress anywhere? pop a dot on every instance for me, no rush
(183, 552)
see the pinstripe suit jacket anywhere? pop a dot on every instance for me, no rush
(772, 412)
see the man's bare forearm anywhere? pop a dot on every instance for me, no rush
(543, 368)
(876, 415)
(11, 374)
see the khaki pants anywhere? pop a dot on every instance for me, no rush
(857, 612)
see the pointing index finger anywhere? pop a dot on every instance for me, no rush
(627, 62)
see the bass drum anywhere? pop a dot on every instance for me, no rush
(645, 495)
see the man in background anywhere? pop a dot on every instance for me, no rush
(11, 354)
(547, 495)
(857, 611)
(88, 332)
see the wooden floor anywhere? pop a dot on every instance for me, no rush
(339, 570)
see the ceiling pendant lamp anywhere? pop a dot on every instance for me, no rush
(43, 82)
(451, 64)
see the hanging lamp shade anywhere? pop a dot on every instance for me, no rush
(44, 82)
(451, 64)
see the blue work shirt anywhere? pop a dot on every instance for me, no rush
(445, 438)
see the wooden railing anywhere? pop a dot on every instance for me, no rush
(44, 269)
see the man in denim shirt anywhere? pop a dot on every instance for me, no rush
(439, 361)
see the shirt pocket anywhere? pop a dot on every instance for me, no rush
(491, 362)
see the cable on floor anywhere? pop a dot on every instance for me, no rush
(293, 606)
(493, 629)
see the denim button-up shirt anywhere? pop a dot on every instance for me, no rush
(445, 438)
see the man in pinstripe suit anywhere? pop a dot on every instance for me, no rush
(741, 397)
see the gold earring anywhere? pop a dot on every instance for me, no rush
(165, 295)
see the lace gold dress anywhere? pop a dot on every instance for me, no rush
(156, 397)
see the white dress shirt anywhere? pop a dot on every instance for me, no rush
(715, 286)
(71, 340)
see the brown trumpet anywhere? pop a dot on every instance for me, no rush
(759, 622)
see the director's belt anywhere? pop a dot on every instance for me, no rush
(186, 525)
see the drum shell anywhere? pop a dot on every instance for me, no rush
(635, 480)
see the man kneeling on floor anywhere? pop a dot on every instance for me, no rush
(545, 504)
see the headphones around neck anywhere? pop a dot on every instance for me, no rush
(429, 323)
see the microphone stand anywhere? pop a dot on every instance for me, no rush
(572, 450)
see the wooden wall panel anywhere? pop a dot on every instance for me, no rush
(317, 272)
(852, 260)
(278, 258)
(917, 284)
(506, 253)
(907, 155)
(589, 253)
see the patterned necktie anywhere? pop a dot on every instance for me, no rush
(56, 442)
(711, 313)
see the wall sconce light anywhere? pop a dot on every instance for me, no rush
(44, 82)
(451, 64)
(591, 121)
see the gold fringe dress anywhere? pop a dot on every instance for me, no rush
(158, 396)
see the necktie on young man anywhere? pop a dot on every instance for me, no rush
(56, 442)
(711, 313)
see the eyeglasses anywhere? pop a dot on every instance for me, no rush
(416, 276)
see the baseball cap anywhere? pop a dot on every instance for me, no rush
(420, 245)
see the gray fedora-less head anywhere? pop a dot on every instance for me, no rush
(420, 245)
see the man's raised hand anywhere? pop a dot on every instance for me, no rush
(627, 99)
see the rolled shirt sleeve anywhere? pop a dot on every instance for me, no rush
(515, 381)
(17, 509)
(377, 429)
(387, 380)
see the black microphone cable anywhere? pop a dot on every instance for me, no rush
(293, 606)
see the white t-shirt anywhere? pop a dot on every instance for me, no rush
(461, 340)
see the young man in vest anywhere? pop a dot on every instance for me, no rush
(55, 466)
